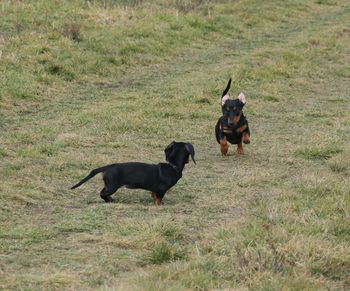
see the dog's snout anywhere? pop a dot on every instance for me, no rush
(231, 119)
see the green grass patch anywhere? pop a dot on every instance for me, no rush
(89, 83)
(318, 153)
(164, 253)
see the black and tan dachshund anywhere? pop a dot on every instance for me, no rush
(232, 126)
(135, 175)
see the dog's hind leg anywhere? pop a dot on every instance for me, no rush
(106, 195)
(110, 188)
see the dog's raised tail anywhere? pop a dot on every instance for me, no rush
(227, 88)
(93, 173)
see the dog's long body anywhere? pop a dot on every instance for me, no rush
(157, 178)
(232, 126)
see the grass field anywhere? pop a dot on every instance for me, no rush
(87, 83)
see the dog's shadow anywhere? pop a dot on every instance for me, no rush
(144, 198)
(233, 154)
(227, 155)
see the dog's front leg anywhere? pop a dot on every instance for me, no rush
(242, 128)
(240, 148)
(246, 138)
(154, 196)
(105, 195)
(157, 200)
(223, 146)
(245, 135)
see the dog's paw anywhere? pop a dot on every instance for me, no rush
(108, 199)
(223, 147)
(239, 149)
(246, 138)
(224, 153)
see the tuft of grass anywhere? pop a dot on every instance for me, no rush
(340, 164)
(203, 101)
(187, 6)
(334, 268)
(271, 98)
(339, 167)
(318, 153)
(326, 2)
(73, 31)
(61, 71)
(164, 253)
(3, 153)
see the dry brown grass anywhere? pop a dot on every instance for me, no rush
(141, 76)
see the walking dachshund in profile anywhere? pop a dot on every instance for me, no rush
(232, 126)
(157, 178)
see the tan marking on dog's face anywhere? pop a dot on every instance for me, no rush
(236, 119)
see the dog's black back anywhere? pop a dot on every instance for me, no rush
(157, 178)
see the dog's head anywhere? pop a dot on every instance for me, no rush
(179, 152)
(232, 108)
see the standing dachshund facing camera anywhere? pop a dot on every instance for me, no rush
(156, 178)
(232, 126)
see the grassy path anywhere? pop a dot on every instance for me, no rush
(277, 217)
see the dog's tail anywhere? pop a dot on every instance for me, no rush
(93, 173)
(227, 88)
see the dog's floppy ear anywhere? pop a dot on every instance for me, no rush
(169, 149)
(190, 149)
(241, 98)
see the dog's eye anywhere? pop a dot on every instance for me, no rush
(228, 108)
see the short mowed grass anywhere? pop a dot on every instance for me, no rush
(87, 83)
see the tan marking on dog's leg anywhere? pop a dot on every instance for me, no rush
(223, 146)
(158, 201)
(242, 128)
(154, 196)
(240, 149)
(246, 137)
